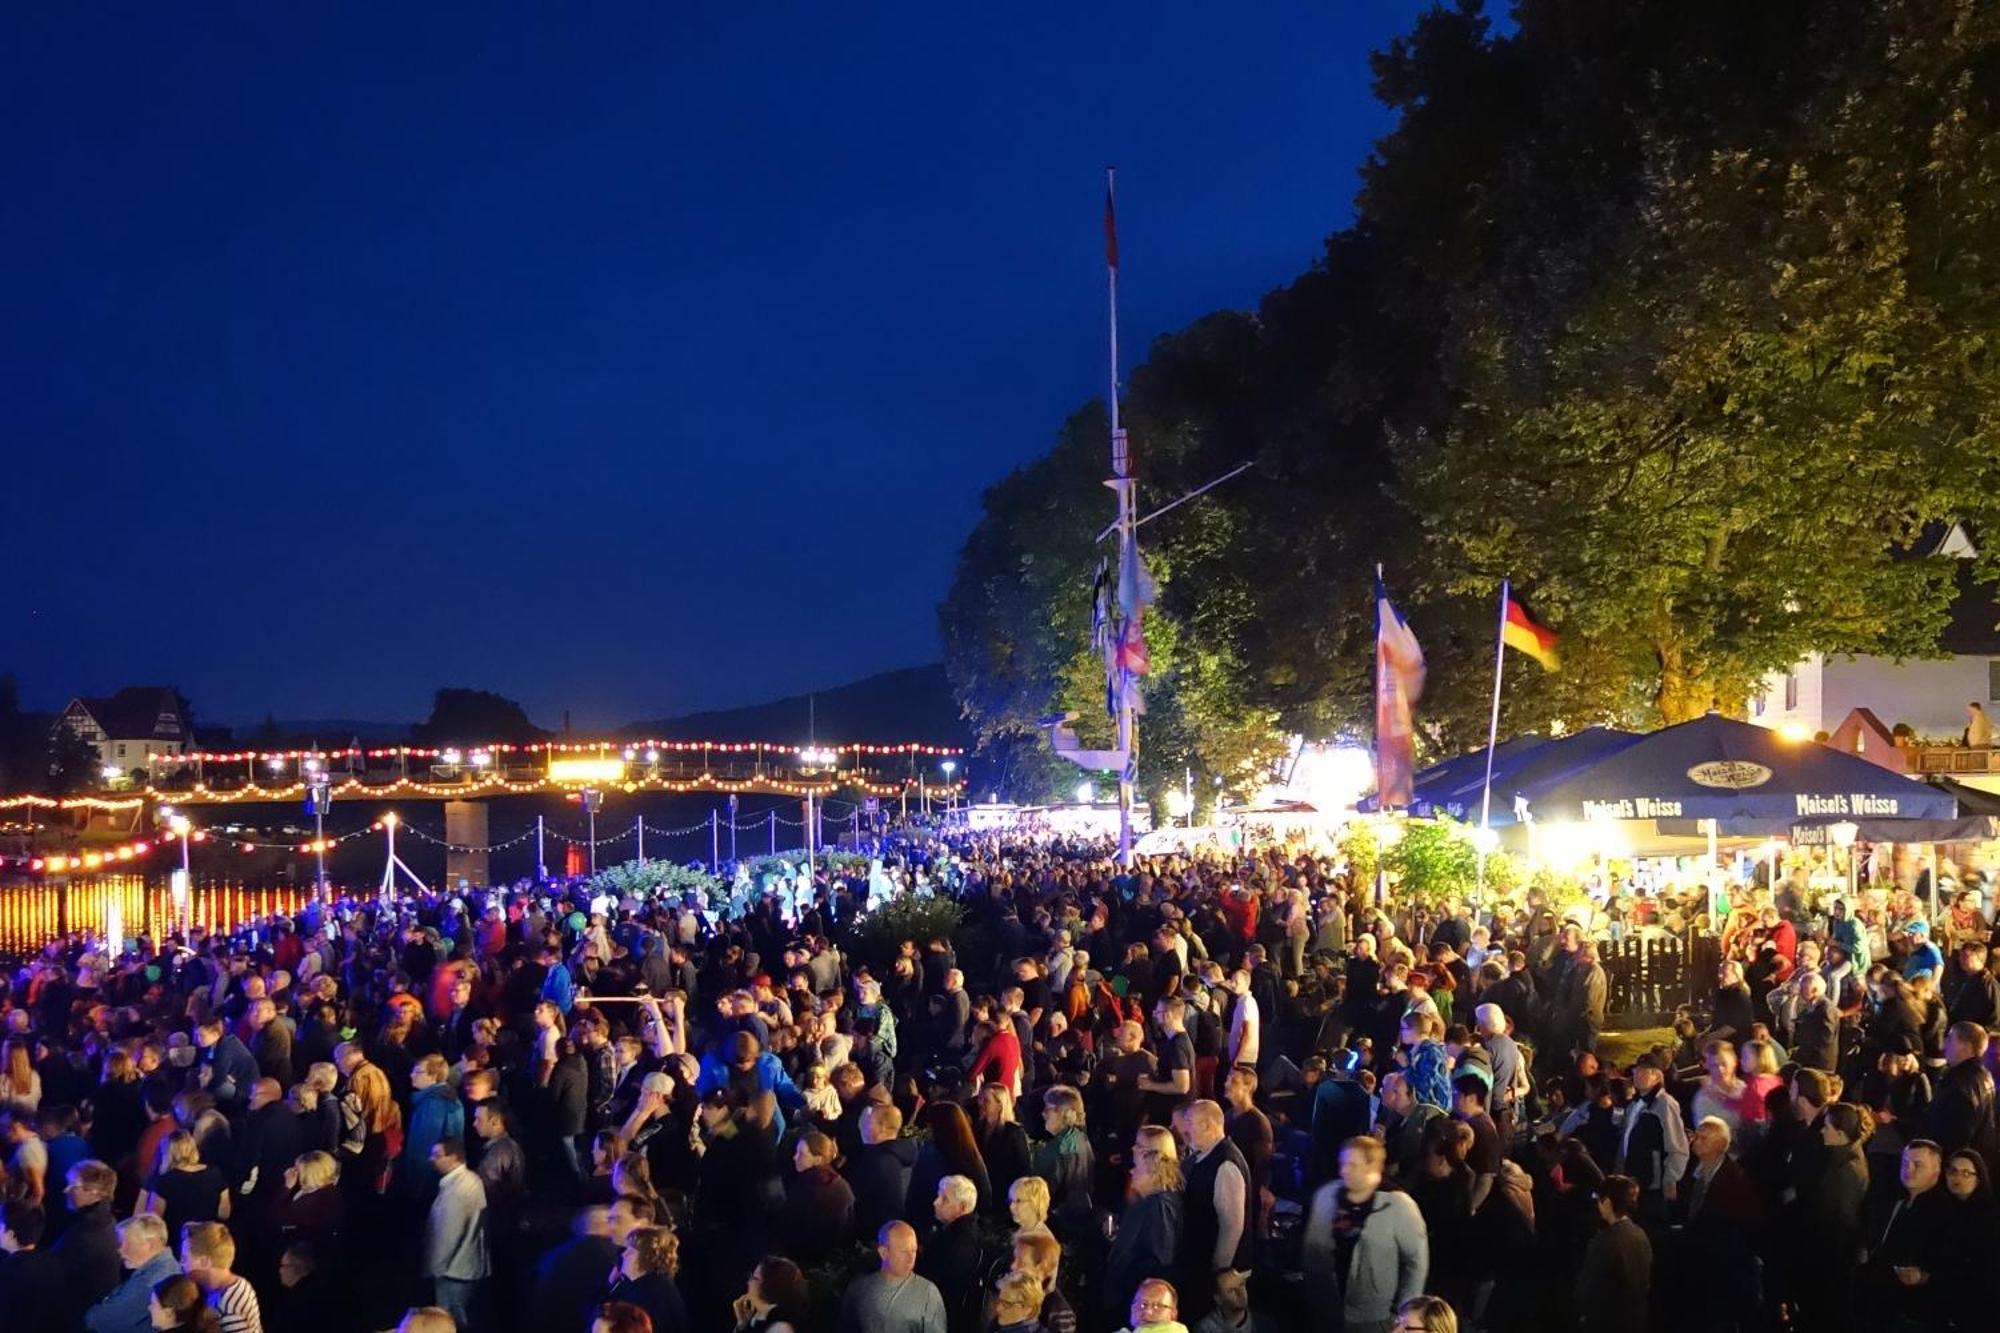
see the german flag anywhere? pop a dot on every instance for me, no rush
(1520, 632)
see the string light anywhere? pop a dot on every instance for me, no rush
(251, 793)
(452, 754)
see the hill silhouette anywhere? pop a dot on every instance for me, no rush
(910, 704)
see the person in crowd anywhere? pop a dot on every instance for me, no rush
(1148, 1240)
(1907, 1241)
(208, 1255)
(456, 1259)
(1365, 1250)
(645, 1277)
(1614, 1285)
(776, 1299)
(33, 1287)
(178, 1302)
(950, 1255)
(895, 1298)
(149, 1260)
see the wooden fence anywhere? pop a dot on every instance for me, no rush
(1649, 978)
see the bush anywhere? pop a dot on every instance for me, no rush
(1433, 861)
(873, 937)
(655, 879)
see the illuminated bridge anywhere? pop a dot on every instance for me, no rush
(406, 773)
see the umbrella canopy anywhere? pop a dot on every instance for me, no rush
(1717, 768)
(1432, 783)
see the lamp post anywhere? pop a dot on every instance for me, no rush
(592, 802)
(950, 766)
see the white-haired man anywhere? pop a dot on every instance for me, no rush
(148, 1259)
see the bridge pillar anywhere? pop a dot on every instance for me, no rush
(465, 826)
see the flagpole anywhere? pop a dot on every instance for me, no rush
(1492, 731)
(1121, 485)
(1381, 785)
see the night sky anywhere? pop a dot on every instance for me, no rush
(629, 359)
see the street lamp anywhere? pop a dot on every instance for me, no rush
(1843, 835)
(1086, 793)
(950, 766)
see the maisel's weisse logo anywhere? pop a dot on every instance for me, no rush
(1730, 774)
(1847, 803)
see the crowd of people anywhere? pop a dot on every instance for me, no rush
(1232, 1093)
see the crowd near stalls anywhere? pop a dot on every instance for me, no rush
(1227, 1093)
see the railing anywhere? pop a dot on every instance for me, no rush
(1956, 759)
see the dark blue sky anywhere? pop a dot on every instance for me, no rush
(621, 358)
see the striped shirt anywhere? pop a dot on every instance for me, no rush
(236, 1307)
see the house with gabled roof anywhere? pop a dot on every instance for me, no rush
(132, 728)
(1927, 695)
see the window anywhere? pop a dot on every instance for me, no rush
(1791, 690)
(121, 749)
(1759, 704)
(1993, 678)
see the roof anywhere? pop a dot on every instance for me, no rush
(139, 713)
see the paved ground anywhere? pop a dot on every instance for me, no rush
(1622, 1048)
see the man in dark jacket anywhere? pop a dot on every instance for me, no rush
(227, 1067)
(88, 1249)
(1971, 993)
(1907, 1232)
(880, 1172)
(1961, 1111)
(1816, 1033)
(1734, 1010)
(33, 1289)
(950, 1255)
(571, 1278)
(1614, 1286)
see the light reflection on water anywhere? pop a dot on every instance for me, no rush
(31, 914)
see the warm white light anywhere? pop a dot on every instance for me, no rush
(1844, 833)
(277, 763)
(1086, 793)
(451, 756)
(1178, 804)
(950, 766)
(481, 759)
(1795, 731)
(652, 756)
(1484, 839)
(631, 753)
(586, 770)
(110, 772)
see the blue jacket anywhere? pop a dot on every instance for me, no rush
(771, 1078)
(436, 1114)
(235, 1069)
(124, 1310)
(559, 989)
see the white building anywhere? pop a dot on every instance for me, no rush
(1929, 695)
(131, 728)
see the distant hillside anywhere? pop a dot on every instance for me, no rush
(913, 704)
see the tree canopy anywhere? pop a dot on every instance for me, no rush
(461, 716)
(1675, 312)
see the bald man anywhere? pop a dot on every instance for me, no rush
(893, 1299)
(1215, 1216)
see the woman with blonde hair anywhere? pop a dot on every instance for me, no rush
(1041, 1257)
(310, 1207)
(379, 1121)
(1002, 1142)
(1149, 1230)
(183, 1189)
(1028, 1206)
(20, 1085)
